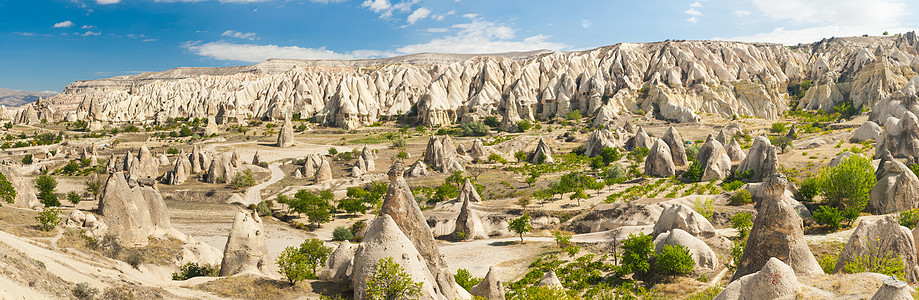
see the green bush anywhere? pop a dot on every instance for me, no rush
(574, 115)
(27, 159)
(263, 208)
(7, 192)
(732, 185)
(341, 233)
(520, 156)
(491, 121)
(84, 291)
(242, 180)
(674, 260)
(192, 269)
(475, 128)
(778, 127)
(48, 218)
(741, 197)
(693, 173)
(465, 279)
(828, 215)
(73, 197)
(888, 264)
(520, 226)
(292, 265)
(46, 185)
(637, 250)
(705, 207)
(848, 185)
(810, 187)
(743, 222)
(524, 125)
(496, 158)
(909, 218)
(827, 263)
(390, 281)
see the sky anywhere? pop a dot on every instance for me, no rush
(47, 44)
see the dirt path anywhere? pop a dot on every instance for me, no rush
(254, 194)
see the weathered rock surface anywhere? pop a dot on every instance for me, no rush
(542, 154)
(222, 169)
(599, 139)
(714, 159)
(684, 218)
(324, 173)
(468, 223)
(418, 169)
(246, 251)
(640, 140)
(286, 135)
(180, 171)
(776, 280)
(897, 189)
(337, 266)
(440, 154)
(256, 158)
(701, 253)
(549, 279)
(879, 239)
(761, 159)
(384, 239)
(490, 287)
(868, 131)
(893, 289)
(25, 192)
(368, 157)
(133, 213)
(211, 128)
(677, 148)
(778, 232)
(659, 162)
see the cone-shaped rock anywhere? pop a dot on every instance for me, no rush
(478, 150)
(868, 131)
(721, 137)
(132, 213)
(211, 127)
(701, 253)
(384, 239)
(400, 204)
(659, 162)
(339, 262)
(717, 163)
(468, 223)
(324, 173)
(777, 232)
(640, 140)
(490, 287)
(286, 136)
(599, 139)
(246, 251)
(677, 149)
(735, 151)
(761, 159)
(221, 169)
(897, 189)
(893, 289)
(469, 193)
(368, 156)
(549, 279)
(542, 154)
(679, 216)
(257, 158)
(309, 170)
(418, 169)
(880, 239)
(25, 193)
(441, 155)
(180, 171)
(776, 280)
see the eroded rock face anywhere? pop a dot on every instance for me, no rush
(659, 162)
(701, 253)
(25, 192)
(441, 155)
(400, 205)
(677, 148)
(133, 213)
(640, 140)
(599, 139)
(468, 222)
(684, 218)
(478, 150)
(211, 127)
(246, 251)
(222, 169)
(778, 232)
(490, 288)
(257, 158)
(324, 173)
(893, 289)
(879, 239)
(338, 265)
(776, 280)
(418, 169)
(715, 161)
(143, 166)
(900, 136)
(542, 154)
(897, 189)
(868, 131)
(368, 157)
(385, 239)
(180, 171)
(549, 279)
(761, 160)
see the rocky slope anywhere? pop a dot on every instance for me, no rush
(675, 80)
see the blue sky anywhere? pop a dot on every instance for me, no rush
(46, 44)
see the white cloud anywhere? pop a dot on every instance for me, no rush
(696, 4)
(480, 37)
(585, 23)
(692, 20)
(239, 35)
(377, 6)
(258, 53)
(470, 16)
(741, 13)
(106, 2)
(451, 12)
(87, 26)
(693, 12)
(64, 24)
(91, 33)
(418, 14)
(437, 30)
(150, 40)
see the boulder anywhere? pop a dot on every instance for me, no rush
(684, 218)
(489, 288)
(324, 173)
(309, 168)
(542, 154)
(640, 140)
(599, 139)
(93, 227)
(549, 279)
(75, 219)
(163, 159)
(384, 239)
(605, 117)
(900, 136)
(677, 148)
(286, 136)
(761, 160)
(776, 280)
(893, 289)
(701, 253)
(840, 159)
(133, 213)
(478, 150)
(879, 239)
(897, 189)
(400, 205)
(418, 169)
(868, 131)
(246, 251)
(778, 232)
(339, 262)
(356, 172)
(659, 162)
(297, 174)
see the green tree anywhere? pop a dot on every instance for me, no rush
(73, 197)
(743, 222)
(465, 279)
(27, 159)
(848, 185)
(341, 233)
(520, 156)
(48, 218)
(520, 225)
(578, 195)
(674, 260)
(317, 208)
(475, 128)
(524, 125)
(314, 254)
(293, 265)
(46, 186)
(389, 281)
(7, 192)
(637, 250)
(242, 180)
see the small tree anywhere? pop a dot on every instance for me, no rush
(520, 156)
(46, 186)
(562, 239)
(520, 225)
(637, 250)
(318, 209)
(341, 233)
(94, 187)
(578, 195)
(242, 180)
(314, 254)
(389, 281)
(848, 185)
(49, 218)
(7, 192)
(523, 202)
(293, 265)
(674, 260)
(743, 222)
(73, 197)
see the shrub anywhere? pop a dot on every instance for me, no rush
(474, 129)
(73, 197)
(574, 115)
(263, 208)
(520, 156)
(7, 192)
(876, 262)
(909, 218)
(778, 127)
(693, 173)
(828, 215)
(27, 159)
(732, 185)
(333, 151)
(496, 158)
(848, 185)
(491, 121)
(314, 254)
(827, 263)
(674, 260)
(341, 233)
(48, 218)
(192, 269)
(809, 189)
(390, 281)
(741, 197)
(465, 279)
(292, 265)
(705, 207)
(781, 141)
(46, 185)
(743, 222)
(737, 254)
(637, 250)
(242, 180)
(524, 125)
(520, 225)
(84, 291)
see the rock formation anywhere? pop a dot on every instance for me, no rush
(677, 149)
(549, 279)
(701, 253)
(897, 189)
(778, 232)
(25, 192)
(468, 192)
(368, 156)
(760, 160)
(679, 216)
(640, 140)
(440, 154)
(714, 159)
(880, 239)
(478, 150)
(384, 239)
(211, 128)
(143, 166)
(900, 136)
(87, 223)
(418, 169)
(400, 205)
(868, 131)
(163, 159)
(356, 172)
(468, 223)
(246, 251)
(133, 213)
(776, 280)
(309, 168)
(659, 162)
(735, 151)
(200, 161)
(893, 289)
(339, 262)
(489, 288)
(257, 158)
(286, 136)
(542, 154)
(180, 171)
(599, 139)
(324, 173)
(222, 169)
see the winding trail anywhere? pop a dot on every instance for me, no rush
(254, 194)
